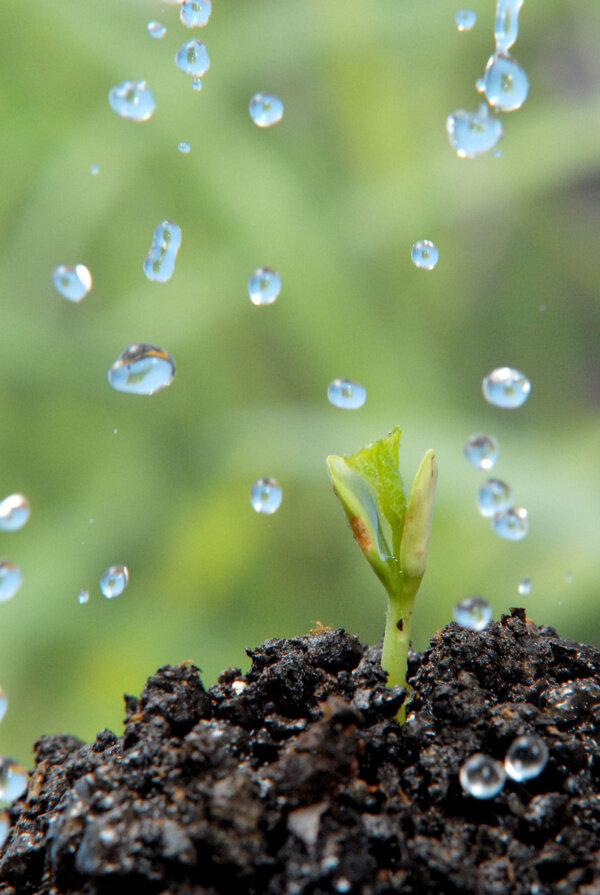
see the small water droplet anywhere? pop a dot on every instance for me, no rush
(11, 579)
(506, 26)
(506, 387)
(83, 596)
(192, 58)
(342, 885)
(473, 133)
(132, 100)
(493, 497)
(184, 147)
(142, 369)
(481, 450)
(195, 13)
(4, 826)
(265, 495)
(424, 254)
(346, 394)
(3, 704)
(114, 581)
(524, 586)
(197, 84)
(506, 84)
(265, 109)
(569, 577)
(159, 263)
(264, 285)
(474, 613)
(156, 29)
(14, 512)
(481, 776)
(526, 758)
(13, 780)
(543, 308)
(465, 19)
(94, 169)
(73, 282)
(511, 524)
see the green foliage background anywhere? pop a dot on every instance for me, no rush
(333, 198)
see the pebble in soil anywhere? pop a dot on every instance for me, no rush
(302, 781)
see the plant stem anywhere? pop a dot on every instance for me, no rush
(396, 639)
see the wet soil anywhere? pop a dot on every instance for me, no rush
(295, 778)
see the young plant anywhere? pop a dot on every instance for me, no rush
(392, 533)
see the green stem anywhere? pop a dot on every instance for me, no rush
(396, 639)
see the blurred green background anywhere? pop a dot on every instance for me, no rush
(333, 198)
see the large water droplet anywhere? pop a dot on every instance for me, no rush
(156, 29)
(195, 13)
(474, 613)
(265, 495)
(3, 704)
(424, 254)
(159, 263)
(73, 282)
(142, 370)
(524, 586)
(4, 826)
(473, 133)
(526, 758)
(465, 19)
(13, 780)
(133, 100)
(506, 26)
(481, 776)
(83, 596)
(14, 512)
(114, 581)
(264, 285)
(192, 58)
(512, 524)
(493, 497)
(506, 84)
(481, 450)
(265, 109)
(346, 394)
(506, 387)
(11, 579)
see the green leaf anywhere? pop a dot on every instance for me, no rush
(419, 515)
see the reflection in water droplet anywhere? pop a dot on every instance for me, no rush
(11, 579)
(506, 84)
(474, 613)
(13, 780)
(506, 26)
(156, 29)
(114, 581)
(14, 512)
(184, 147)
(346, 394)
(264, 286)
(525, 586)
(493, 497)
(512, 525)
(4, 826)
(83, 596)
(481, 776)
(94, 169)
(265, 109)
(3, 704)
(526, 758)
(506, 387)
(192, 58)
(142, 369)
(424, 254)
(473, 133)
(481, 451)
(197, 84)
(265, 495)
(73, 282)
(159, 263)
(195, 13)
(133, 100)
(465, 19)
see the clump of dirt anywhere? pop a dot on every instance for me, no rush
(295, 779)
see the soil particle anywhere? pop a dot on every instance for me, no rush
(295, 779)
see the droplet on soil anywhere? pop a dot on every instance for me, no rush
(346, 394)
(132, 100)
(142, 369)
(424, 254)
(481, 776)
(14, 512)
(493, 497)
(266, 495)
(159, 263)
(526, 758)
(481, 450)
(264, 285)
(114, 581)
(506, 387)
(265, 109)
(73, 282)
(11, 580)
(511, 524)
(474, 613)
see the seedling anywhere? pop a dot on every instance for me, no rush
(392, 533)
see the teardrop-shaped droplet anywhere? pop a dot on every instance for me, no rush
(481, 776)
(11, 579)
(142, 369)
(264, 285)
(156, 30)
(265, 495)
(73, 282)
(481, 450)
(493, 497)
(505, 82)
(424, 254)
(195, 13)
(506, 387)
(265, 109)
(14, 512)
(159, 263)
(114, 581)
(511, 524)
(465, 19)
(133, 100)
(473, 133)
(192, 58)
(13, 780)
(526, 758)
(346, 394)
(474, 613)
(506, 26)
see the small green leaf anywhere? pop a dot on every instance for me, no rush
(417, 522)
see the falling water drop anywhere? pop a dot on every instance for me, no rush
(481, 451)
(506, 26)
(505, 82)
(156, 29)
(192, 58)
(11, 579)
(493, 497)
(346, 394)
(133, 100)
(197, 84)
(94, 169)
(159, 263)
(473, 133)
(114, 581)
(83, 597)
(73, 282)
(14, 512)
(424, 254)
(265, 109)
(524, 586)
(465, 19)
(3, 704)
(265, 495)
(184, 147)
(512, 524)
(526, 758)
(506, 387)
(13, 780)
(195, 13)
(481, 776)
(264, 285)
(474, 613)
(142, 369)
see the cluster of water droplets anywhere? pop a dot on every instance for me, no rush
(483, 777)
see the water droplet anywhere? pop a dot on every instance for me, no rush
(493, 497)
(192, 58)
(473, 133)
(156, 29)
(342, 885)
(465, 19)
(474, 613)
(14, 512)
(11, 579)
(4, 826)
(264, 286)
(142, 370)
(13, 780)
(424, 254)
(524, 586)
(543, 308)
(195, 13)
(94, 169)
(346, 394)
(526, 758)
(481, 776)
(114, 581)
(265, 109)
(506, 84)
(265, 495)
(3, 704)
(133, 100)
(569, 577)
(506, 387)
(184, 147)
(481, 451)
(159, 263)
(238, 687)
(197, 84)
(506, 26)
(83, 596)
(511, 524)
(73, 282)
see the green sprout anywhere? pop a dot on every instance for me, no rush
(392, 533)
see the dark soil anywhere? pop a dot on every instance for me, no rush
(295, 778)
